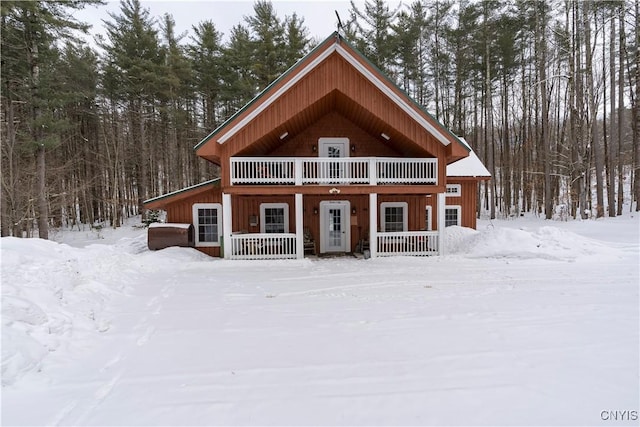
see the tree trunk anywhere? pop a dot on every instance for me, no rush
(506, 148)
(636, 113)
(621, 43)
(611, 165)
(488, 121)
(43, 211)
(544, 120)
(571, 134)
(41, 184)
(596, 145)
(8, 187)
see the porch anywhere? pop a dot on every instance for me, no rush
(336, 230)
(284, 245)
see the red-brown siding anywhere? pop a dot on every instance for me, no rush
(334, 125)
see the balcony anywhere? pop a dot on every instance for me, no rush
(332, 171)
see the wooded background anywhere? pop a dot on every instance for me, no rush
(544, 91)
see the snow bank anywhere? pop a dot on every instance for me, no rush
(55, 295)
(52, 295)
(456, 238)
(546, 242)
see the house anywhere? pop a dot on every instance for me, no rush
(332, 157)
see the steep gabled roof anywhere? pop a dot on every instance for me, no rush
(333, 45)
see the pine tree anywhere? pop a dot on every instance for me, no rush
(133, 58)
(29, 32)
(239, 84)
(205, 54)
(268, 43)
(373, 33)
(297, 39)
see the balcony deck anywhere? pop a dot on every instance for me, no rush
(333, 171)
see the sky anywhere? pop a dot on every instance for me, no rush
(319, 16)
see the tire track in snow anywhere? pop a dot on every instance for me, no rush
(77, 412)
(64, 412)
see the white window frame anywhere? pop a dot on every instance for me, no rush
(196, 225)
(454, 190)
(456, 207)
(265, 206)
(405, 214)
(429, 217)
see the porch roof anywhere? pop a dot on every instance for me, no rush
(161, 201)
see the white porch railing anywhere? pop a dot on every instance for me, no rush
(262, 246)
(325, 170)
(421, 243)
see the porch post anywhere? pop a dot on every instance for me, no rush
(297, 171)
(226, 225)
(373, 224)
(441, 209)
(299, 225)
(373, 171)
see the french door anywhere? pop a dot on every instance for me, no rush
(333, 148)
(335, 227)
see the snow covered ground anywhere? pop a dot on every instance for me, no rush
(524, 322)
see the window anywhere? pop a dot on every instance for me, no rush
(452, 215)
(428, 217)
(393, 216)
(454, 190)
(207, 222)
(274, 218)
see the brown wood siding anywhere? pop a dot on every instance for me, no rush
(334, 124)
(416, 205)
(182, 212)
(245, 206)
(363, 104)
(467, 200)
(333, 73)
(368, 97)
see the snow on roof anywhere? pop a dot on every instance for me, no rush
(469, 166)
(168, 224)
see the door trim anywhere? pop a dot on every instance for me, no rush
(346, 205)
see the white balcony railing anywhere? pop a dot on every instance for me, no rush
(325, 170)
(421, 243)
(262, 246)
